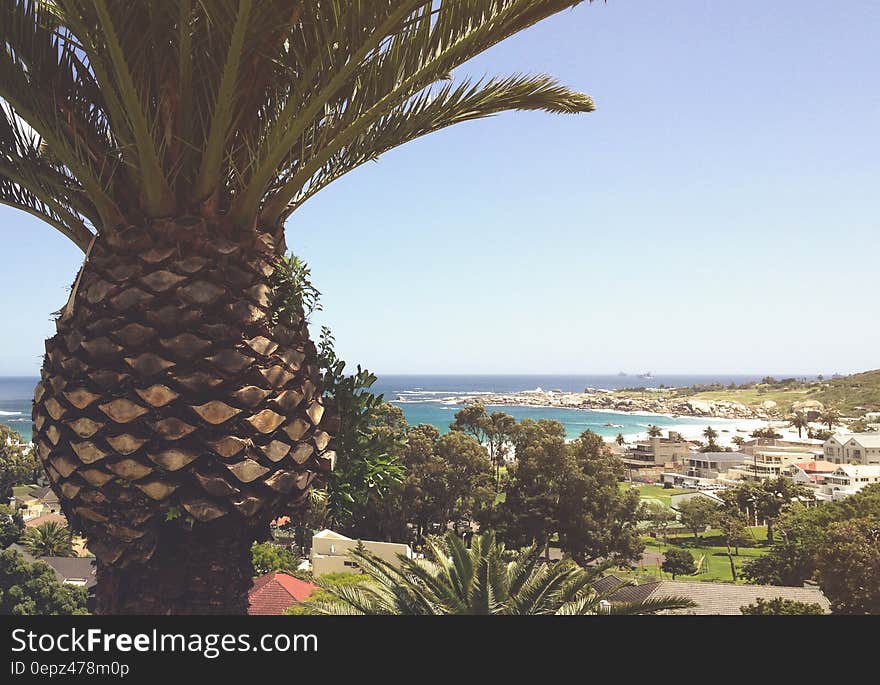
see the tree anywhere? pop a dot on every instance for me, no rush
(767, 432)
(738, 440)
(170, 141)
(849, 566)
(17, 465)
(781, 607)
(31, 589)
(829, 417)
(270, 557)
(819, 434)
(567, 488)
(858, 426)
(658, 516)
(11, 526)
(370, 438)
(529, 513)
(734, 531)
(697, 513)
(794, 557)
(595, 519)
(775, 496)
(479, 580)
(799, 421)
(679, 562)
(49, 540)
(495, 431)
(654, 431)
(620, 440)
(711, 435)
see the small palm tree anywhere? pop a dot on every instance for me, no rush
(829, 417)
(620, 440)
(479, 581)
(738, 440)
(654, 431)
(711, 435)
(800, 421)
(49, 540)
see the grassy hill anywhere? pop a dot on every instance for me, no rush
(845, 393)
(850, 392)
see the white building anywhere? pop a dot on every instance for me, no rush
(849, 448)
(330, 552)
(848, 479)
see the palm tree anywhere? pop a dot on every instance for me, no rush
(620, 440)
(710, 434)
(654, 431)
(829, 417)
(800, 421)
(180, 407)
(49, 540)
(478, 581)
(738, 440)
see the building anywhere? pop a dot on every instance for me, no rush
(651, 456)
(810, 473)
(767, 458)
(711, 599)
(853, 448)
(712, 464)
(848, 479)
(274, 592)
(330, 552)
(79, 571)
(37, 501)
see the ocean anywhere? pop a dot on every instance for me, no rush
(425, 399)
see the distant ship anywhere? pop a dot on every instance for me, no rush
(646, 375)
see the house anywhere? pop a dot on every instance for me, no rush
(853, 448)
(47, 517)
(766, 458)
(330, 552)
(274, 592)
(810, 473)
(79, 571)
(655, 454)
(711, 599)
(848, 479)
(711, 464)
(37, 501)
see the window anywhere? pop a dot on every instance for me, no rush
(349, 563)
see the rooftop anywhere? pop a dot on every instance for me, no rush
(718, 599)
(274, 592)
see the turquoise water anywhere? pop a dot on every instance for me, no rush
(424, 399)
(576, 421)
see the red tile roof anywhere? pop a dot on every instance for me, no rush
(45, 518)
(275, 592)
(814, 466)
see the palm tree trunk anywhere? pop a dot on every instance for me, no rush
(175, 418)
(205, 572)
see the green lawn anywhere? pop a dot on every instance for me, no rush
(710, 547)
(655, 492)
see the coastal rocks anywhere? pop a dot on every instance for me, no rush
(769, 405)
(656, 402)
(807, 405)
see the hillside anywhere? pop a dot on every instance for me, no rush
(845, 393)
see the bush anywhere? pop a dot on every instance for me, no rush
(781, 607)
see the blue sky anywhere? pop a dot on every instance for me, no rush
(717, 213)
